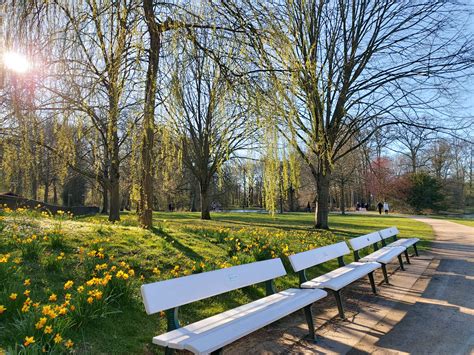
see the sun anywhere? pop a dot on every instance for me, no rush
(16, 62)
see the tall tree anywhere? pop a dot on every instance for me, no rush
(154, 30)
(333, 68)
(208, 111)
(100, 40)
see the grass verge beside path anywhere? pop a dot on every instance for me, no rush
(82, 261)
(464, 221)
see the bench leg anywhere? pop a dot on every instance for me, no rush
(309, 320)
(217, 352)
(169, 351)
(340, 308)
(385, 275)
(416, 249)
(407, 257)
(400, 261)
(372, 282)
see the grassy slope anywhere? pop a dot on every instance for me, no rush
(175, 242)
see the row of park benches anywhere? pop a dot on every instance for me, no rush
(210, 335)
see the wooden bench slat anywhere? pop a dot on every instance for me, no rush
(217, 331)
(404, 242)
(318, 256)
(341, 277)
(364, 240)
(384, 255)
(163, 295)
(388, 232)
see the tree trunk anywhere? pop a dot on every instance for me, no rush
(291, 198)
(114, 209)
(205, 202)
(193, 200)
(46, 192)
(55, 193)
(322, 210)
(413, 163)
(34, 188)
(343, 199)
(105, 200)
(114, 185)
(148, 138)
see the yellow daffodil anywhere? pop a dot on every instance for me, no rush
(48, 329)
(69, 344)
(40, 324)
(28, 341)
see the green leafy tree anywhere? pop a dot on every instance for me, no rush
(425, 192)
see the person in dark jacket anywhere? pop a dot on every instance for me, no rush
(380, 206)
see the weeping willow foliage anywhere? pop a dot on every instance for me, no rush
(281, 170)
(280, 157)
(11, 156)
(167, 166)
(65, 148)
(208, 113)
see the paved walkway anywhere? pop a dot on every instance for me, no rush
(428, 309)
(440, 315)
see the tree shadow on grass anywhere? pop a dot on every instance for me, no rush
(344, 233)
(190, 253)
(253, 224)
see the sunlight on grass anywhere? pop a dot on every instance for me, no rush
(94, 269)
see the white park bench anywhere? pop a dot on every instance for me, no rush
(336, 279)
(383, 255)
(210, 335)
(393, 232)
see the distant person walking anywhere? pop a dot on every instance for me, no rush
(380, 206)
(385, 207)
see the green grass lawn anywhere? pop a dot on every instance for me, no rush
(84, 248)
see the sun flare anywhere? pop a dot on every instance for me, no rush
(16, 62)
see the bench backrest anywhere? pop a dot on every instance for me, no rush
(318, 256)
(163, 295)
(364, 241)
(389, 232)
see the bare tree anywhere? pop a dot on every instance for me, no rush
(99, 41)
(208, 112)
(413, 140)
(334, 67)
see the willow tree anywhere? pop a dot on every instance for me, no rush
(93, 79)
(208, 110)
(163, 20)
(331, 68)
